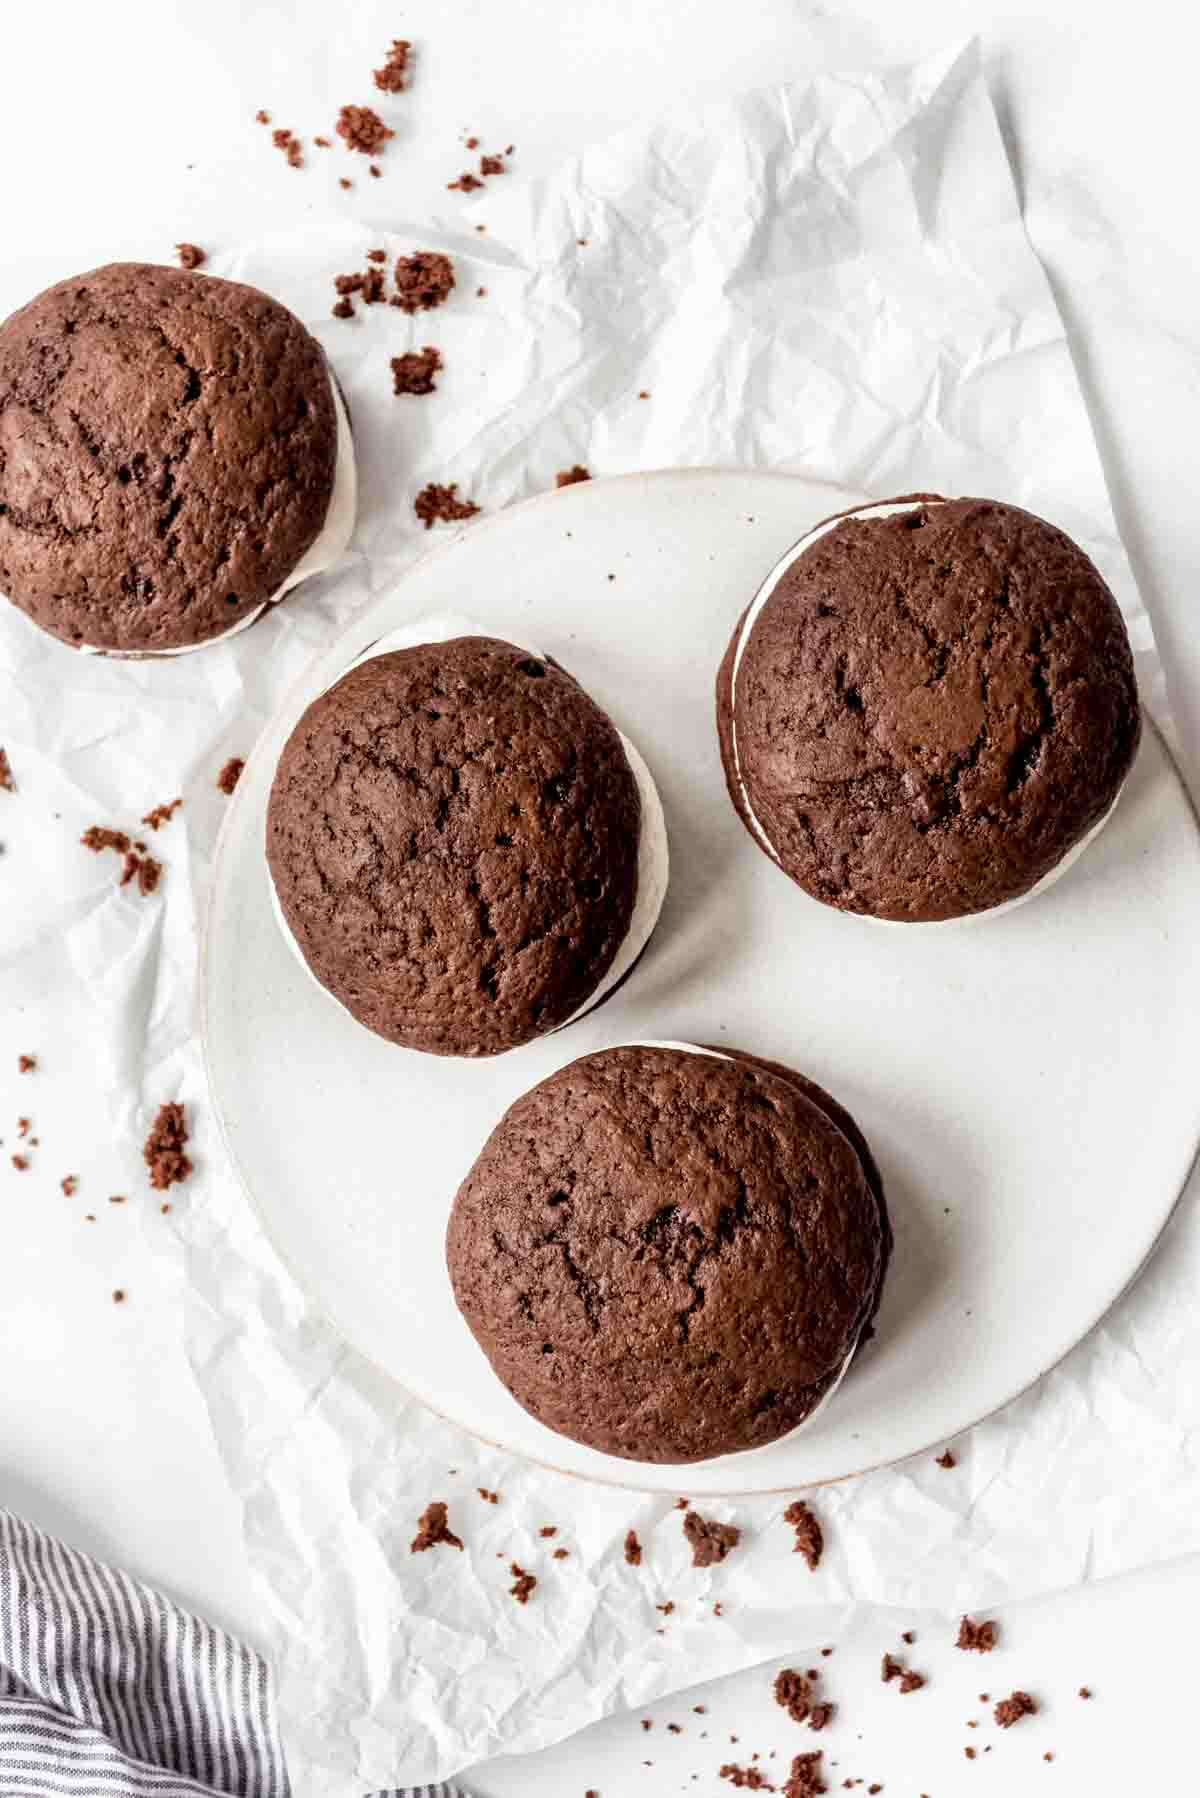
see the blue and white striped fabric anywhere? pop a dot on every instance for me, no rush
(108, 1690)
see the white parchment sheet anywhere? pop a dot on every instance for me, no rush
(831, 275)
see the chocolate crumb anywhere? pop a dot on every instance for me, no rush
(667, 1608)
(26, 1064)
(1010, 1710)
(190, 255)
(810, 1539)
(362, 129)
(343, 309)
(805, 1780)
(908, 1637)
(89, 1217)
(750, 1779)
(117, 1198)
(119, 1296)
(374, 171)
(827, 1651)
(820, 1714)
(793, 1693)
(970, 1753)
(98, 836)
(164, 1146)
(643, 395)
(472, 143)
(491, 165)
(978, 1637)
(390, 78)
(230, 774)
(561, 1554)
(262, 117)
(633, 1549)
(342, 182)
(718, 1609)
(523, 1583)
(440, 504)
(890, 1668)
(1047, 1756)
(466, 183)
(414, 372)
(69, 1184)
(947, 1460)
(289, 143)
(548, 1529)
(570, 477)
(323, 143)
(423, 280)
(647, 1723)
(489, 1498)
(376, 255)
(709, 1542)
(433, 1531)
(164, 1208)
(23, 1127)
(911, 1682)
(674, 1729)
(681, 1504)
(7, 783)
(162, 814)
(481, 228)
(1084, 1692)
(20, 1162)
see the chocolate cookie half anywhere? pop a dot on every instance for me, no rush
(669, 1252)
(929, 708)
(463, 849)
(174, 457)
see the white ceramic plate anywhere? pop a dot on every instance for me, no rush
(1028, 1083)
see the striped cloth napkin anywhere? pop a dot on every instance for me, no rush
(108, 1690)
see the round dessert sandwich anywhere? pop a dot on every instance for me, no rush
(929, 708)
(463, 849)
(174, 458)
(669, 1252)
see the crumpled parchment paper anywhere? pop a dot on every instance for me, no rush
(831, 275)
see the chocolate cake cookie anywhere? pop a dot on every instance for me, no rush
(929, 708)
(669, 1252)
(173, 457)
(464, 851)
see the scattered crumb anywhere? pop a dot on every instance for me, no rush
(681, 1504)
(423, 280)
(414, 372)
(466, 183)
(23, 1128)
(343, 309)
(805, 1780)
(144, 869)
(751, 1779)
(820, 1715)
(26, 1064)
(374, 171)
(69, 1184)
(633, 1550)
(970, 1753)
(890, 1668)
(162, 814)
(163, 1149)
(481, 228)
(489, 1498)
(190, 255)
(979, 1637)
(673, 1729)
(810, 1539)
(570, 477)
(947, 1460)
(548, 1529)
(119, 1296)
(376, 255)
(323, 143)
(433, 1531)
(342, 182)
(718, 1609)
(709, 1542)
(390, 78)
(793, 1693)
(289, 143)
(561, 1554)
(481, 293)
(262, 117)
(523, 1583)
(911, 1682)
(98, 836)
(117, 1198)
(230, 774)
(1084, 1692)
(164, 1208)
(472, 143)
(440, 504)
(491, 165)
(1010, 1710)
(89, 1217)
(7, 783)
(667, 1608)
(643, 395)
(827, 1651)
(647, 1723)
(1047, 1756)
(20, 1162)
(362, 129)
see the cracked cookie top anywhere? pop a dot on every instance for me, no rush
(168, 443)
(453, 838)
(669, 1254)
(930, 710)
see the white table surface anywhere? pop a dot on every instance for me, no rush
(125, 129)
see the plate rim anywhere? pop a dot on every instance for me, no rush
(220, 862)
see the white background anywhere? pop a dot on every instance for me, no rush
(127, 128)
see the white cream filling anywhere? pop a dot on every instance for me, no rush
(714, 1055)
(653, 868)
(889, 509)
(321, 554)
